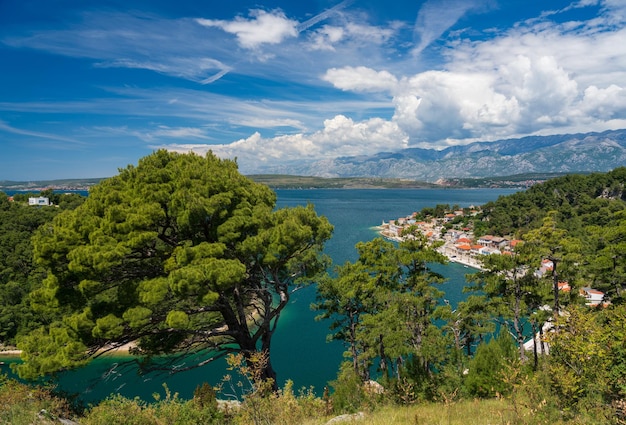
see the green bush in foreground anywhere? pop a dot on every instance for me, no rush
(171, 411)
(24, 404)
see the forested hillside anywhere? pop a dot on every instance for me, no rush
(581, 221)
(18, 273)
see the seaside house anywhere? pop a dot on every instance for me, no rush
(475, 249)
(453, 235)
(485, 240)
(39, 201)
(488, 250)
(564, 286)
(546, 267)
(593, 296)
(498, 242)
(511, 245)
(463, 249)
(492, 241)
(449, 217)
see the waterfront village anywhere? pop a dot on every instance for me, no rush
(461, 246)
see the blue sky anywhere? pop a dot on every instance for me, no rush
(88, 87)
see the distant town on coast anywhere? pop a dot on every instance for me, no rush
(458, 242)
(452, 231)
(274, 181)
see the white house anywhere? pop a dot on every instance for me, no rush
(40, 201)
(593, 296)
(486, 250)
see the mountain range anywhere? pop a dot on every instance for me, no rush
(565, 153)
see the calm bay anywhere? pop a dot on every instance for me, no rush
(299, 351)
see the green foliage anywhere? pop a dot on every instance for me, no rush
(586, 363)
(511, 291)
(18, 273)
(205, 396)
(24, 405)
(261, 404)
(171, 410)
(54, 349)
(382, 306)
(487, 369)
(348, 394)
(576, 219)
(468, 323)
(178, 253)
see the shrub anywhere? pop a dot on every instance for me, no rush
(20, 403)
(348, 395)
(486, 370)
(169, 411)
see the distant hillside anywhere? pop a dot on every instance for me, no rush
(571, 153)
(39, 185)
(277, 181)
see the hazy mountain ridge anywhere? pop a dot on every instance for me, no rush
(534, 154)
(539, 155)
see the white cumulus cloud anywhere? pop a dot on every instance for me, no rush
(341, 136)
(263, 27)
(361, 79)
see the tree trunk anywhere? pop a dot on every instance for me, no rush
(353, 349)
(555, 286)
(268, 373)
(519, 334)
(382, 356)
(533, 325)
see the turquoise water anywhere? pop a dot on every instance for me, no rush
(299, 348)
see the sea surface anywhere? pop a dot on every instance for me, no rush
(299, 349)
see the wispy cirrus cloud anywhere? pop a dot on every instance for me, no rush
(437, 16)
(175, 47)
(41, 135)
(193, 49)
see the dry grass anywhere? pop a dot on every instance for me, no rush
(462, 413)
(476, 412)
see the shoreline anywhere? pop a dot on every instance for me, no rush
(12, 352)
(445, 250)
(471, 264)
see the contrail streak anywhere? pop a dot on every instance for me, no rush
(325, 14)
(216, 77)
(299, 28)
